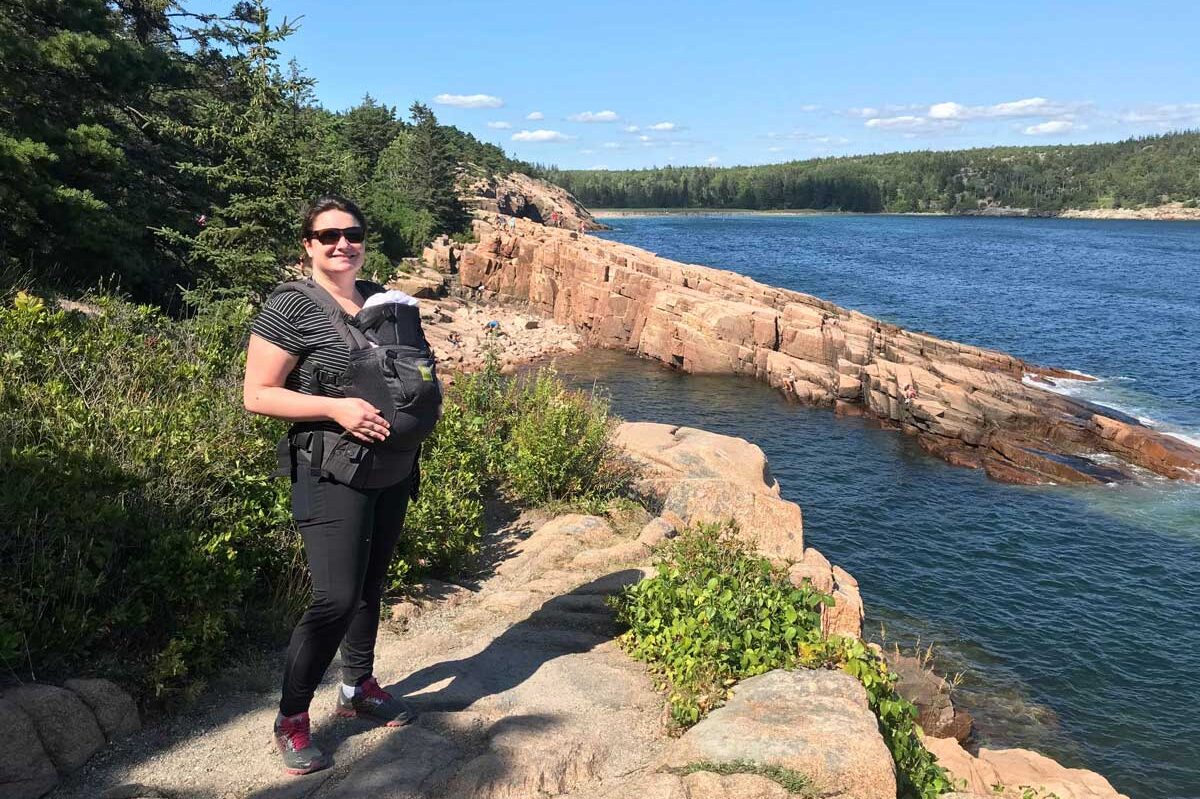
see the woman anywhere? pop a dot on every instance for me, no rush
(349, 534)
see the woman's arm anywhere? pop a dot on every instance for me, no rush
(267, 367)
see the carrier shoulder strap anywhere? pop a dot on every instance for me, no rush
(343, 322)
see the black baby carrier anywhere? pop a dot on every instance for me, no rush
(391, 367)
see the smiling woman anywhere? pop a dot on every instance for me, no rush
(302, 348)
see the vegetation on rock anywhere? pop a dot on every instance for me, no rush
(716, 613)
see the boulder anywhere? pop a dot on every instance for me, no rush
(774, 526)
(114, 709)
(26, 771)
(688, 453)
(815, 722)
(931, 694)
(1015, 770)
(65, 725)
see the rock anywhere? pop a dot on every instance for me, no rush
(26, 771)
(1016, 769)
(65, 725)
(815, 722)
(931, 694)
(956, 398)
(114, 709)
(405, 610)
(688, 453)
(532, 324)
(775, 526)
(655, 532)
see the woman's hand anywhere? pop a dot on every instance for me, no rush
(360, 418)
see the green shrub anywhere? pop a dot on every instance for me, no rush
(560, 446)
(140, 516)
(716, 613)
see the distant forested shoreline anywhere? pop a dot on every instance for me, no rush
(1134, 173)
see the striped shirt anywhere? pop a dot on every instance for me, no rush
(296, 324)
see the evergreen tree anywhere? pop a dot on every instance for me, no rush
(262, 157)
(426, 170)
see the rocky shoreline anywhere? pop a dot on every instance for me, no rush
(968, 405)
(1170, 212)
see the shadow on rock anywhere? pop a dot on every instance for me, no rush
(568, 624)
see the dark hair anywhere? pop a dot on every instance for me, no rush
(329, 202)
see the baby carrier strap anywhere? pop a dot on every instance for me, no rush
(343, 322)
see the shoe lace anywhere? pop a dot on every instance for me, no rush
(371, 690)
(296, 731)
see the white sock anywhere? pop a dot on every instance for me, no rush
(348, 691)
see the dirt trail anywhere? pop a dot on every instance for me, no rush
(521, 688)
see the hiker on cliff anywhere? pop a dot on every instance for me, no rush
(353, 471)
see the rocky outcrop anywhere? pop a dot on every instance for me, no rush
(813, 722)
(52, 731)
(971, 406)
(1017, 770)
(930, 692)
(521, 196)
(695, 476)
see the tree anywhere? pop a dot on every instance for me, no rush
(263, 153)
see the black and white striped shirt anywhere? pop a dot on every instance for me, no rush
(296, 324)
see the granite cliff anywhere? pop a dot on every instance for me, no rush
(971, 406)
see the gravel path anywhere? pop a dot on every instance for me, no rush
(521, 688)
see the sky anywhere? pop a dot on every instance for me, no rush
(622, 85)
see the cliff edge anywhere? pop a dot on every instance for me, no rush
(971, 406)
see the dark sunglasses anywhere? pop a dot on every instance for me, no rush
(332, 235)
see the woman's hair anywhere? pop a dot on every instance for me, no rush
(329, 202)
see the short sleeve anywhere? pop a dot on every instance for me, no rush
(279, 322)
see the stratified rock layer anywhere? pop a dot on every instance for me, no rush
(971, 406)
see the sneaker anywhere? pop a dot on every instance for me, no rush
(292, 737)
(372, 702)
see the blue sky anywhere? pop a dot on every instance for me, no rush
(634, 84)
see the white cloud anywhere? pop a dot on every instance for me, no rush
(597, 116)
(865, 113)
(469, 100)
(540, 136)
(587, 152)
(776, 149)
(599, 167)
(1053, 126)
(643, 138)
(499, 125)
(910, 123)
(1166, 114)
(712, 159)
(663, 126)
(1029, 107)
(611, 145)
(631, 128)
(808, 108)
(534, 116)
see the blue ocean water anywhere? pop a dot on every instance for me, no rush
(1073, 614)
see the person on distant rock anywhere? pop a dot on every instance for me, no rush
(582, 228)
(349, 527)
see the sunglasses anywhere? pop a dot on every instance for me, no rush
(333, 235)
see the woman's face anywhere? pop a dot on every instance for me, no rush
(338, 258)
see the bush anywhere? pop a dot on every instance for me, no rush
(140, 516)
(560, 445)
(716, 613)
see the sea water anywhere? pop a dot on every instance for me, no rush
(1072, 614)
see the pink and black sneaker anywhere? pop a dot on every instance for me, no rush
(292, 737)
(372, 702)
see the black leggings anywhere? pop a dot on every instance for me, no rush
(349, 535)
